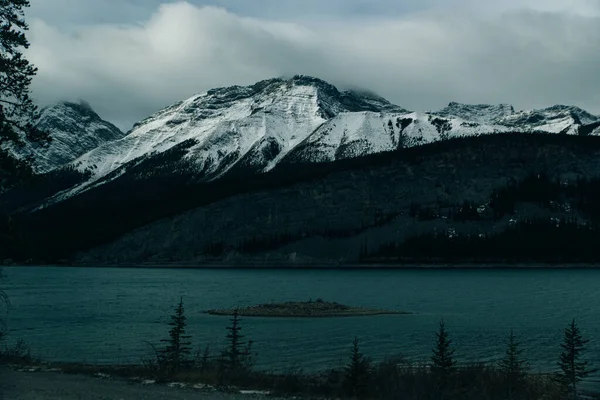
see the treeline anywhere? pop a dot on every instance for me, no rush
(263, 243)
(527, 240)
(158, 187)
(466, 211)
(393, 378)
(570, 238)
(34, 189)
(581, 194)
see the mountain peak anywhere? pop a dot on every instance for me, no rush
(311, 80)
(299, 80)
(81, 108)
(253, 125)
(81, 105)
(75, 129)
(564, 107)
(253, 128)
(307, 93)
(351, 100)
(580, 115)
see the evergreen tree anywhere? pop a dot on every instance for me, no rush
(175, 356)
(357, 372)
(17, 110)
(442, 361)
(573, 370)
(233, 354)
(513, 366)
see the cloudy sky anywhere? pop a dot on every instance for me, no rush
(129, 58)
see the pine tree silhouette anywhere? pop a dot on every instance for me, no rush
(572, 369)
(232, 356)
(513, 366)
(442, 361)
(17, 110)
(175, 356)
(357, 372)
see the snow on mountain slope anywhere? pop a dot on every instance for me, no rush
(74, 128)
(354, 134)
(555, 119)
(259, 123)
(302, 119)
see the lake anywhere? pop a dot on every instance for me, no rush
(106, 315)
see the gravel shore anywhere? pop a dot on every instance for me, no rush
(43, 385)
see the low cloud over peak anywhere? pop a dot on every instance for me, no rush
(421, 58)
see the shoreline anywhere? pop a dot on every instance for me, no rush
(53, 382)
(74, 380)
(328, 266)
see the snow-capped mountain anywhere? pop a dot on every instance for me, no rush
(259, 124)
(152, 183)
(356, 134)
(305, 119)
(75, 129)
(555, 119)
(350, 135)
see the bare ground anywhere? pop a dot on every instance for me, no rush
(42, 385)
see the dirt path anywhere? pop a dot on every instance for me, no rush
(15, 385)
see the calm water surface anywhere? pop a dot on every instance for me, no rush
(102, 315)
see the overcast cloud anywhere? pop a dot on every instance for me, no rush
(129, 58)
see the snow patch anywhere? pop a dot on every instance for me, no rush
(255, 392)
(177, 385)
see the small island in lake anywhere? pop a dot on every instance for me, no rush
(309, 309)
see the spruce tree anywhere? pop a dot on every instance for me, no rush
(513, 366)
(232, 355)
(175, 356)
(357, 372)
(17, 110)
(573, 370)
(442, 361)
